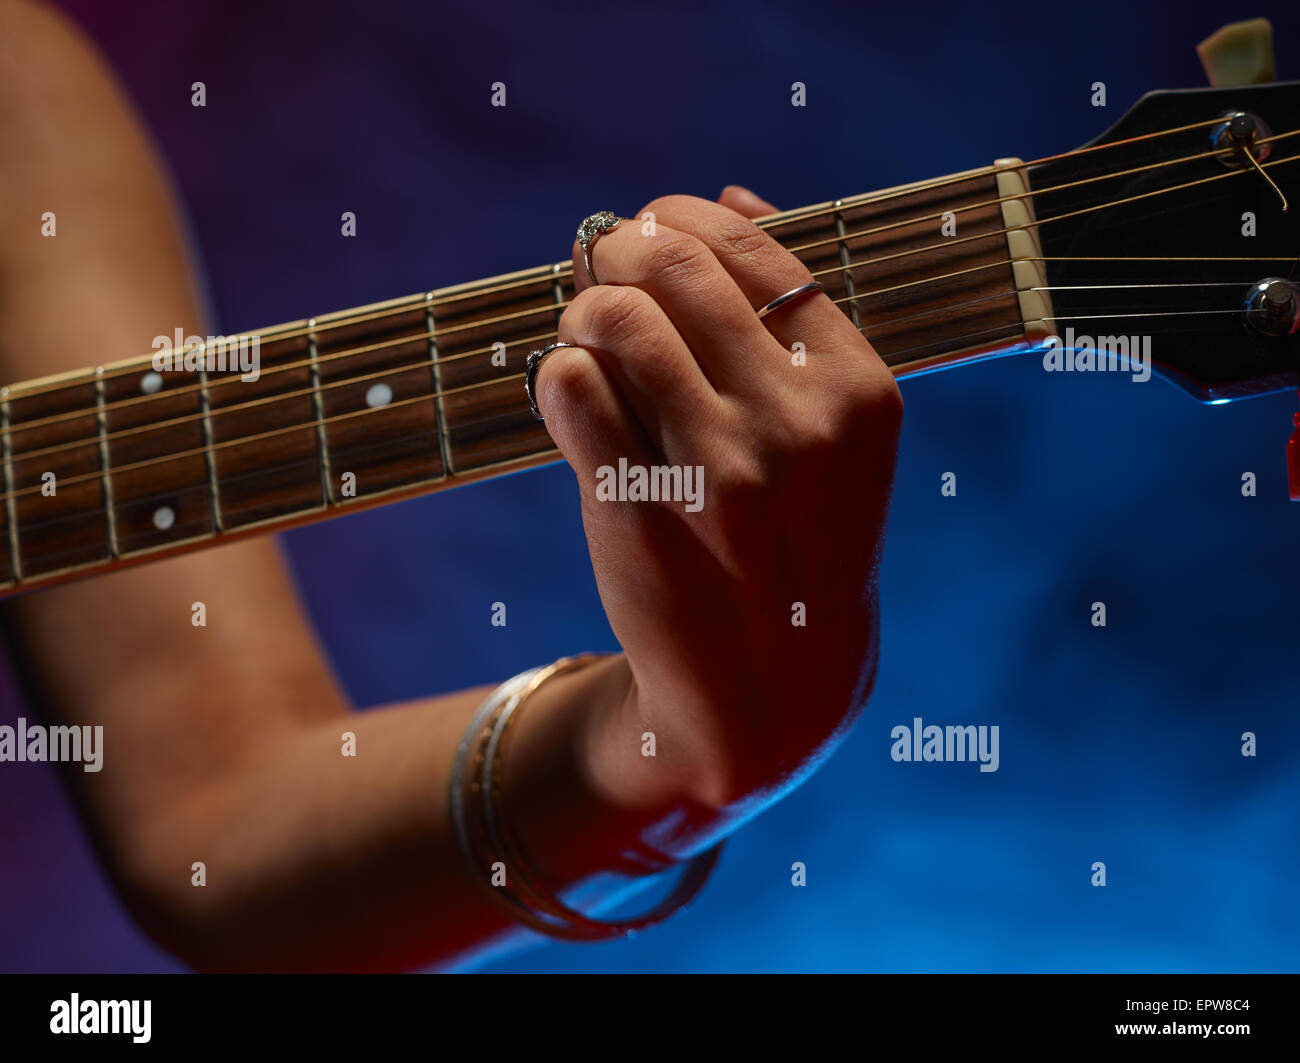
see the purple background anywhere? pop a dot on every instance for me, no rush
(1118, 745)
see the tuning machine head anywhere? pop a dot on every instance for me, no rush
(1273, 306)
(1241, 134)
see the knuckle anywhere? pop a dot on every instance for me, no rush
(744, 476)
(570, 377)
(743, 239)
(673, 256)
(875, 397)
(611, 315)
(664, 206)
(887, 400)
(741, 468)
(825, 428)
(740, 240)
(866, 411)
(627, 323)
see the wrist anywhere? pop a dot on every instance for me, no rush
(664, 764)
(540, 822)
(572, 816)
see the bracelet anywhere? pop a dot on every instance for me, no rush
(493, 853)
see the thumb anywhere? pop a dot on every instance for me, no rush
(745, 202)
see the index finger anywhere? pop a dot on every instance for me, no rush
(764, 270)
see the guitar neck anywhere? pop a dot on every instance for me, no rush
(142, 459)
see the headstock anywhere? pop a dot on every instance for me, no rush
(1134, 254)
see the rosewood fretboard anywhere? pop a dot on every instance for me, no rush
(120, 464)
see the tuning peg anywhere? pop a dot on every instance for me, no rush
(1241, 53)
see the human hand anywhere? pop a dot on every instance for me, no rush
(746, 605)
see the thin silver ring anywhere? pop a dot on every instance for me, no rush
(531, 366)
(591, 230)
(792, 294)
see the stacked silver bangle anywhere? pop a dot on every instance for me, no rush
(487, 842)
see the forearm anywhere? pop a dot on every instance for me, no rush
(313, 859)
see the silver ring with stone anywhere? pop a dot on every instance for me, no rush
(590, 231)
(531, 365)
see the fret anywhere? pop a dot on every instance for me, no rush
(209, 455)
(825, 258)
(105, 462)
(557, 290)
(380, 412)
(488, 419)
(156, 455)
(403, 397)
(13, 571)
(264, 433)
(435, 373)
(920, 293)
(318, 414)
(846, 261)
(60, 512)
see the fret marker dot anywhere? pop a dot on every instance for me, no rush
(151, 383)
(379, 395)
(164, 517)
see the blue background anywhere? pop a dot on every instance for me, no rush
(1118, 744)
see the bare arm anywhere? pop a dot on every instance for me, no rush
(223, 742)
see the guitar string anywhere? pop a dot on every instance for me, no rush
(75, 414)
(166, 547)
(838, 269)
(891, 323)
(1032, 194)
(196, 418)
(947, 308)
(1030, 345)
(545, 273)
(998, 333)
(442, 359)
(311, 462)
(552, 306)
(561, 271)
(118, 470)
(783, 221)
(49, 524)
(1046, 221)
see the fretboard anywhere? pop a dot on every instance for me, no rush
(123, 463)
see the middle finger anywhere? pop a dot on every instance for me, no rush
(699, 296)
